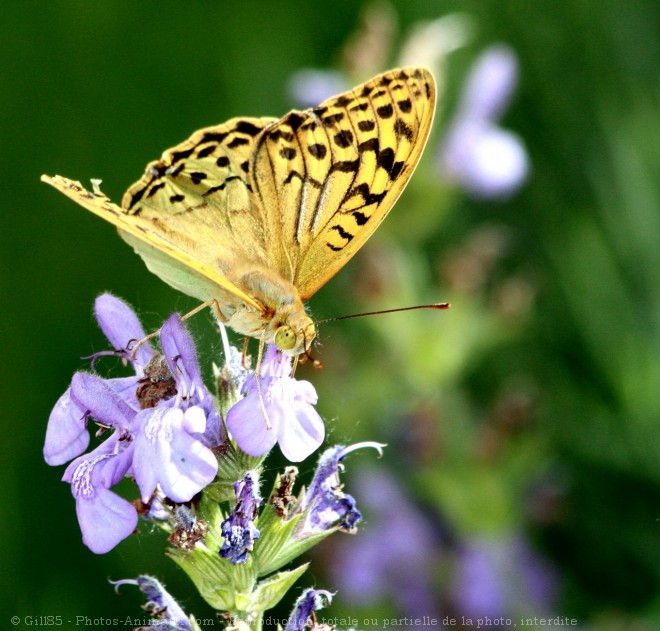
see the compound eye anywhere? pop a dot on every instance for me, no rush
(285, 338)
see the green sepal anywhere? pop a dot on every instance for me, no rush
(232, 466)
(210, 512)
(269, 591)
(278, 543)
(216, 579)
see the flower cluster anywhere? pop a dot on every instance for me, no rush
(162, 421)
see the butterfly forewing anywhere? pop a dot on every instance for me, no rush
(329, 175)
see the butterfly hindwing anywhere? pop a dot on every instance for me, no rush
(328, 176)
(164, 256)
(200, 193)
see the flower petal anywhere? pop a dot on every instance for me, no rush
(491, 82)
(247, 424)
(66, 435)
(105, 519)
(120, 325)
(302, 432)
(179, 351)
(165, 454)
(94, 395)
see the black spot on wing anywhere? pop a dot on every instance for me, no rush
(181, 155)
(396, 170)
(221, 187)
(237, 142)
(206, 151)
(333, 119)
(176, 171)
(401, 128)
(360, 218)
(293, 120)
(385, 111)
(212, 136)
(344, 138)
(197, 177)
(247, 128)
(276, 134)
(346, 166)
(343, 101)
(344, 234)
(155, 188)
(362, 190)
(318, 151)
(288, 153)
(385, 159)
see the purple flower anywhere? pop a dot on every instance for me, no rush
(238, 529)
(486, 160)
(163, 424)
(277, 409)
(311, 600)
(327, 506)
(169, 615)
(499, 576)
(67, 435)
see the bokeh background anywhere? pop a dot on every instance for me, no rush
(522, 476)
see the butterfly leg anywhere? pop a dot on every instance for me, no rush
(245, 358)
(209, 303)
(139, 343)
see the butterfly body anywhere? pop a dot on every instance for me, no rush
(258, 213)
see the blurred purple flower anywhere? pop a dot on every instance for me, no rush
(311, 600)
(278, 409)
(486, 160)
(309, 87)
(502, 576)
(163, 423)
(169, 615)
(238, 529)
(396, 557)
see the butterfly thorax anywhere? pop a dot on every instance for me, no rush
(282, 307)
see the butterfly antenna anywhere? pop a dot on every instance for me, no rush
(435, 305)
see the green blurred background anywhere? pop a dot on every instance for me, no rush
(530, 411)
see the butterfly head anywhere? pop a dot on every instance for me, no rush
(296, 336)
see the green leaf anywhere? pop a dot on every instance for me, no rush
(269, 591)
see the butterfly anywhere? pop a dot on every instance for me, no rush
(255, 215)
